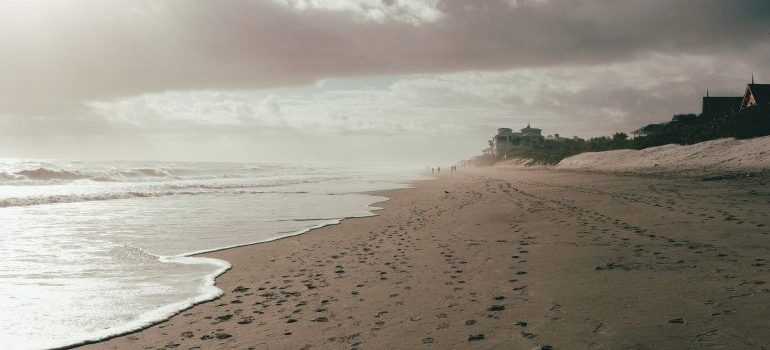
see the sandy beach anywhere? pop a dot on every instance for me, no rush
(504, 258)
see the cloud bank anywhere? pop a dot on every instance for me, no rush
(57, 55)
(183, 78)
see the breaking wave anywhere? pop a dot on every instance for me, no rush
(20, 192)
(28, 183)
(49, 175)
(74, 198)
(46, 175)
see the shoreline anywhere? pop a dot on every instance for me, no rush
(154, 321)
(500, 258)
(225, 266)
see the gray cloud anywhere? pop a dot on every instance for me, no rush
(57, 56)
(405, 80)
(446, 116)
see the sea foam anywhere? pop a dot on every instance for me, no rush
(77, 240)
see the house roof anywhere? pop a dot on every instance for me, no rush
(761, 93)
(529, 130)
(720, 105)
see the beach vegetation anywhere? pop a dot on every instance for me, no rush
(682, 129)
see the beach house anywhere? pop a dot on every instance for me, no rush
(720, 105)
(507, 141)
(755, 95)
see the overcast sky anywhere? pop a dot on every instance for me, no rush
(404, 81)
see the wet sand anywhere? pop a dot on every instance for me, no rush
(504, 258)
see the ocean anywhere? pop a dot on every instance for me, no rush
(89, 250)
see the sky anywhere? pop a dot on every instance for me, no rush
(356, 81)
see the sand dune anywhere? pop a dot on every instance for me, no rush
(710, 156)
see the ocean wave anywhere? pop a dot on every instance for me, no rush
(50, 174)
(247, 183)
(92, 197)
(45, 176)
(76, 198)
(5, 176)
(17, 172)
(117, 175)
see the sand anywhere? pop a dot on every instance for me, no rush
(712, 157)
(501, 258)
